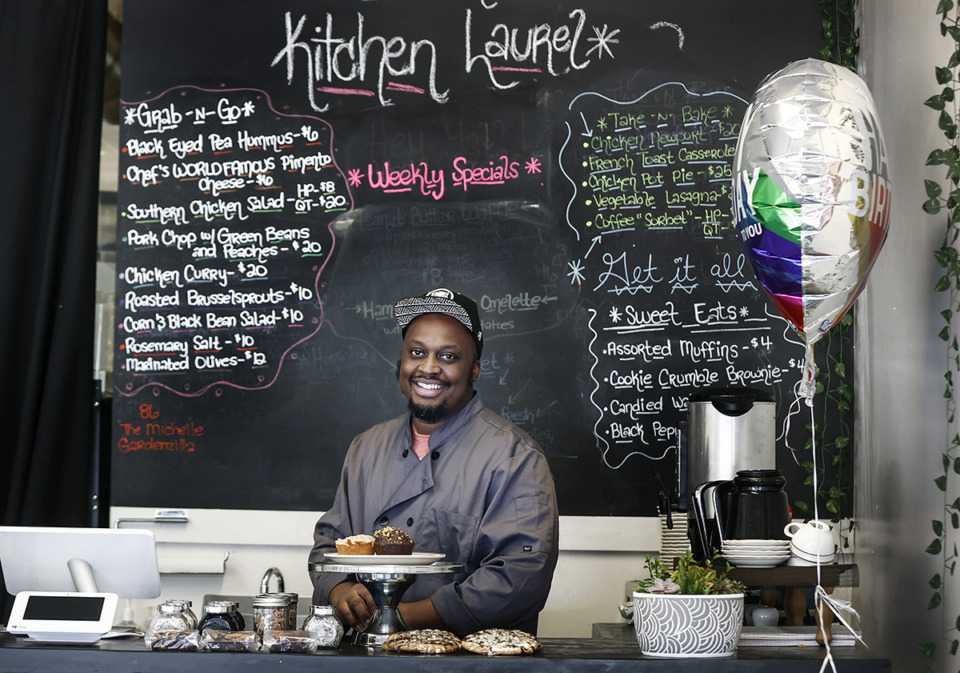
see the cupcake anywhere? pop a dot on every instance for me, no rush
(392, 541)
(355, 544)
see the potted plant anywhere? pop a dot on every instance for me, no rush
(694, 610)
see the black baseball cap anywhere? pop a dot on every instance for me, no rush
(459, 307)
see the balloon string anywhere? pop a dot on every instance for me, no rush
(804, 389)
(808, 385)
(821, 597)
(792, 411)
(817, 603)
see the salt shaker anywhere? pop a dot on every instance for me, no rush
(323, 623)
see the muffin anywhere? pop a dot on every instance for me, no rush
(355, 545)
(392, 541)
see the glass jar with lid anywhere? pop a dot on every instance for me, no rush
(324, 624)
(187, 608)
(169, 617)
(270, 613)
(219, 616)
(293, 600)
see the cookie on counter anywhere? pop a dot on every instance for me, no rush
(501, 642)
(422, 641)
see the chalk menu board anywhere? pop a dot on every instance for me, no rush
(289, 169)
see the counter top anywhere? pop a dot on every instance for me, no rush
(559, 655)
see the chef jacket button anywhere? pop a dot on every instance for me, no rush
(434, 455)
(384, 521)
(406, 452)
(410, 521)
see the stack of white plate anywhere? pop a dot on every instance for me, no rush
(756, 553)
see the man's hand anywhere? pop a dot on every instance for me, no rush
(354, 604)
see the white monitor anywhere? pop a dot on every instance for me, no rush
(119, 561)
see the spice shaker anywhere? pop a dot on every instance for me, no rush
(324, 624)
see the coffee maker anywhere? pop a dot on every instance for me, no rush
(729, 430)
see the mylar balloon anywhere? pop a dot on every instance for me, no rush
(811, 195)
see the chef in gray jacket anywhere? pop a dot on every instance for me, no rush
(454, 475)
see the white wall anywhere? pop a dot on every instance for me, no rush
(900, 362)
(598, 556)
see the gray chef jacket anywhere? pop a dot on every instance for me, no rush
(484, 496)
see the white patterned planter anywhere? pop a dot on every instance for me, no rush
(681, 625)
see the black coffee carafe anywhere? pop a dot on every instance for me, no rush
(753, 506)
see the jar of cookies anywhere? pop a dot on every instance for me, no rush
(270, 613)
(324, 624)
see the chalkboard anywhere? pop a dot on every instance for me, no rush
(289, 169)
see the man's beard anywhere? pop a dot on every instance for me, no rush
(430, 415)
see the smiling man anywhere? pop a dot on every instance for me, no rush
(458, 478)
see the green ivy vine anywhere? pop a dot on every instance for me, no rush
(947, 257)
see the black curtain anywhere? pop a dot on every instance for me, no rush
(51, 101)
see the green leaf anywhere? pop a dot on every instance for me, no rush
(927, 649)
(935, 581)
(934, 601)
(937, 157)
(833, 506)
(954, 644)
(947, 314)
(954, 60)
(944, 256)
(944, 6)
(944, 75)
(937, 528)
(941, 483)
(935, 102)
(947, 93)
(955, 520)
(932, 188)
(842, 442)
(942, 286)
(840, 369)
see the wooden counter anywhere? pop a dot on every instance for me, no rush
(559, 655)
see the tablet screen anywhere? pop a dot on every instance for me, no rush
(66, 608)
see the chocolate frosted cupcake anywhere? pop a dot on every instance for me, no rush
(392, 541)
